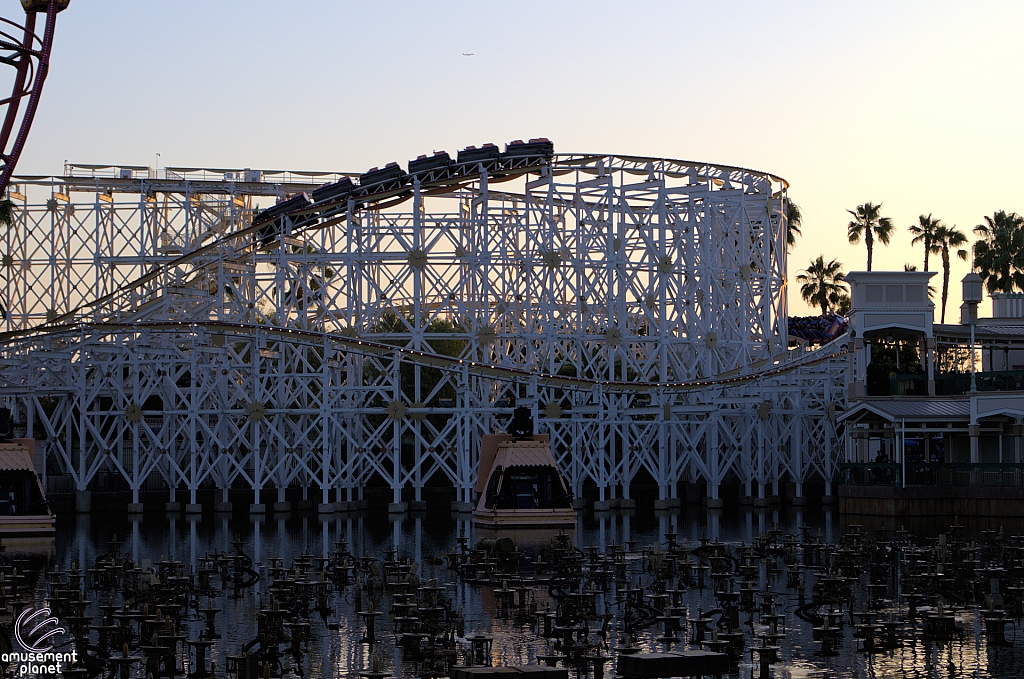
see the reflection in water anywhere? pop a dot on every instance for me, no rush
(334, 649)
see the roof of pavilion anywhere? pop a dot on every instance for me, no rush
(981, 331)
(935, 409)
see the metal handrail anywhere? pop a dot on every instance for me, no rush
(1008, 474)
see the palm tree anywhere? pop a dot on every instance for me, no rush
(999, 253)
(924, 232)
(794, 220)
(868, 223)
(945, 239)
(822, 283)
(842, 303)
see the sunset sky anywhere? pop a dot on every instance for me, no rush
(914, 105)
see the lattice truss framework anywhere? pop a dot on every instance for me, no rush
(636, 304)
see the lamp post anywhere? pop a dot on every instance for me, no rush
(972, 295)
(974, 372)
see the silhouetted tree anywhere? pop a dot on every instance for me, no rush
(822, 283)
(868, 223)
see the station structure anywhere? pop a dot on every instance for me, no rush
(188, 328)
(941, 434)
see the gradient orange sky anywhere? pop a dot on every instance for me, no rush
(914, 105)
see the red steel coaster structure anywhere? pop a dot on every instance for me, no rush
(22, 48)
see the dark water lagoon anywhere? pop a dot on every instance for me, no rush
(778, 575)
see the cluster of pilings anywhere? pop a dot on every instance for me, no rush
(708, 608)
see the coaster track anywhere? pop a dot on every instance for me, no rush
(165, 331)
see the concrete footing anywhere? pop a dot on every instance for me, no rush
(83, 504)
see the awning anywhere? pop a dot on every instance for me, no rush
(941, 410)
(15, 457)
(524, 454)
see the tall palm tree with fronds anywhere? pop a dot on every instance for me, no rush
(948, 238)
(868, 223)
(794, 220)
(999, 253)
(924, 233)
(822, 283)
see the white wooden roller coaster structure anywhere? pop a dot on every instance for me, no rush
(369, 329)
